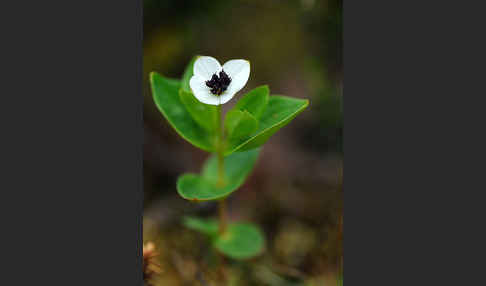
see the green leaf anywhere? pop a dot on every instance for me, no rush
(166, 96)
(239, 123)
(241, 241)
(255, 101)
(204, 114)
(279, 112)
(205, 187)
(186, 76)
(206, 226)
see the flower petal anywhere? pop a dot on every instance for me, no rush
(226, 96)
(206, 67)
(239, 72)
(201, 91)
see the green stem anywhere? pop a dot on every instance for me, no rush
(222, 216)
(220, 169)
(220, 147)
(222, 202)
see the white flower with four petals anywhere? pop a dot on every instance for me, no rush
(215, 84)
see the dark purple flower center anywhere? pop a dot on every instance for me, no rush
(219, 84)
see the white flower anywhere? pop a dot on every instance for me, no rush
(215, 85)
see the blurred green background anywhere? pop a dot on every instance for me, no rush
(295, 191)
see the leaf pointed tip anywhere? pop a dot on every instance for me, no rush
(265, 86)
(152, 75)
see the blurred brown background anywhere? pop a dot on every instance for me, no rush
(295, 191)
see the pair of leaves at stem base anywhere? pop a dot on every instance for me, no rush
(252, 121)
(240, 241)
(204, 187)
